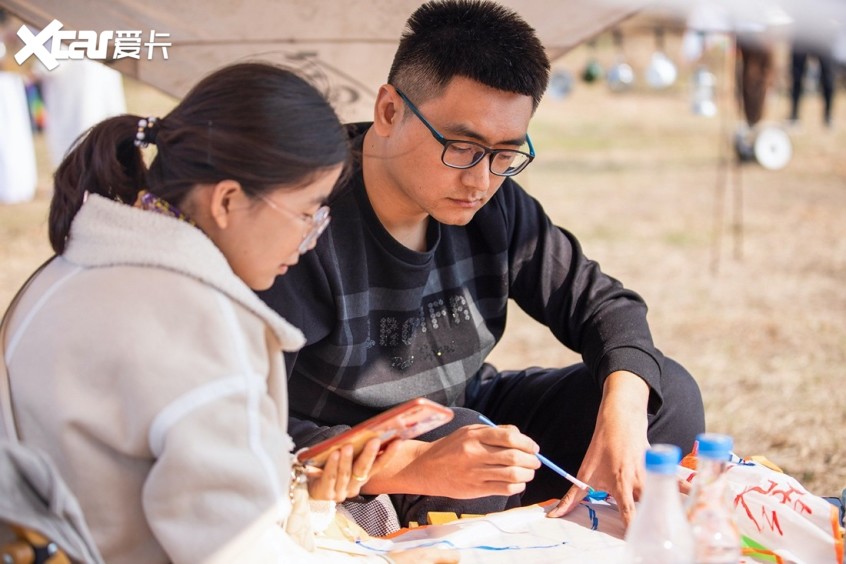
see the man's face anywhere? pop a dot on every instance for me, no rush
(468, 111)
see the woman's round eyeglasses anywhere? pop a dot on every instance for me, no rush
(317, 222)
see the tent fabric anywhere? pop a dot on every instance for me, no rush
(346, 47)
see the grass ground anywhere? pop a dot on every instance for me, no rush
(744, 277)
(758, 315)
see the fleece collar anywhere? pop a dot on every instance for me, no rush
(108, 233)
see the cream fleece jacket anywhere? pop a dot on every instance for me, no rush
(153, 377)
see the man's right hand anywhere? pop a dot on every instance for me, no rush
(473, 461)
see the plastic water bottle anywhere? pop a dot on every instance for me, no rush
(660, 533)
(710, 509)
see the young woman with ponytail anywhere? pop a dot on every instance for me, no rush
(141, 360)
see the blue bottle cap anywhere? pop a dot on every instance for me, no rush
(663, 459)
(714, 446)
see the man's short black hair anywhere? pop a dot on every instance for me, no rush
(477, 39)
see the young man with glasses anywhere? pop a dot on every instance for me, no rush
(406, 293)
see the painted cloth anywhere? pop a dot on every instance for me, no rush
(778, 519)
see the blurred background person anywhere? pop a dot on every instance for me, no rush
(801, 52)
(18, 173)
(77, 95)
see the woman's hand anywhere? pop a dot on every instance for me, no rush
(342, 476)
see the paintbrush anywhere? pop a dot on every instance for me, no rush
(592, 493)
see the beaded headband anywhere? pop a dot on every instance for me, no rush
(146, 132)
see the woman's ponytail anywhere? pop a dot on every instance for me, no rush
(263, 126)
(103, 161)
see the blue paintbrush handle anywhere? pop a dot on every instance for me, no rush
(550, 464)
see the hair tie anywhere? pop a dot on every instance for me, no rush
(146, 132)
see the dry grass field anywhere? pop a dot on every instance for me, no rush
(758, 315)
(745, 277)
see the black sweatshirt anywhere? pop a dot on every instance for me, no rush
(385, 324)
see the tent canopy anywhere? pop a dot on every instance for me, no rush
(346, 47)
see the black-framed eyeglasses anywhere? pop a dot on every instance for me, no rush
(467, 154)
(316, 222)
